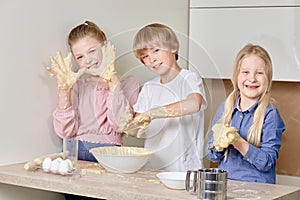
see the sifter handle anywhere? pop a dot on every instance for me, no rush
(191, 188)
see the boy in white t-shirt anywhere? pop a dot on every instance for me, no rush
(175, 99)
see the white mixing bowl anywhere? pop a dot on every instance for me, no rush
(122, 159)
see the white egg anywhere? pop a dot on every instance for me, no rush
(54, 166)
(63, 167)
(70, 164)
(46, 165)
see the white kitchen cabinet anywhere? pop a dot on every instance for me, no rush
(239, 3)
(219, 30)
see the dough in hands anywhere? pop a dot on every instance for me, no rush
(61, 69)
(125, 119)
(137, 126)
(109, 56)
(224, 135)
(107, 66)
(140, 123)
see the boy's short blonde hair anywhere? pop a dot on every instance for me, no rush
(153, 36)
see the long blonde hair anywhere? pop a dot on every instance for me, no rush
(254, 133)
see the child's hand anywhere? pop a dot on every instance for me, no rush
(107, 66)
(138, 125)
(125, 119)
(224, 135)
(61, 70)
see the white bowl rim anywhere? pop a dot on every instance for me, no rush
(167, 176)
(148, 152)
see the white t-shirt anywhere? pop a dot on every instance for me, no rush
(178, 142)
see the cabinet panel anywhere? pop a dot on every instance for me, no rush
(217, 34)
(239, 3)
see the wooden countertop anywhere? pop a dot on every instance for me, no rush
(93, 181)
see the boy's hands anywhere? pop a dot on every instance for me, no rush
(224, 135)
(137, 126)
(61, 70)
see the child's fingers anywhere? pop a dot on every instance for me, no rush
(51, 71)
(55, 65)
(63, 64)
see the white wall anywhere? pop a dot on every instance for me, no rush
(31, 31)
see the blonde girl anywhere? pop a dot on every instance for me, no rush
(247, 129)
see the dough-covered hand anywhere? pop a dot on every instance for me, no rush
(61, 70)
(224, 135)
(107, 67)
(125, 118)
(138, 125)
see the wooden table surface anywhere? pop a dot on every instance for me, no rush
(93, 181)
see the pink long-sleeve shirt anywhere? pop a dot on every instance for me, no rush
(95, 112)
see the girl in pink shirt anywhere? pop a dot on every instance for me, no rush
(89, 108)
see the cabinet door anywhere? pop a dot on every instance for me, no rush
(217, 34)
(239, 3)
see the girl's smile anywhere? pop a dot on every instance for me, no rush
(87, 52)
(252, 81)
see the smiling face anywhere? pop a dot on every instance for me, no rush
(84, 41)
(159, 60)
(156, 46)
(87, 52)
(252, 80)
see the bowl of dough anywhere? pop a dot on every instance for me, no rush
(122, 159)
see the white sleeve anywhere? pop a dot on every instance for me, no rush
(194, 84)
(142, 103)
